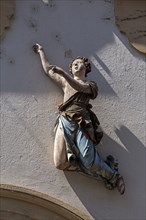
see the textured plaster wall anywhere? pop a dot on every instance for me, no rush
(6, 15)
(29, 104)
(131, 19)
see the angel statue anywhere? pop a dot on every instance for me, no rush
(77, 132)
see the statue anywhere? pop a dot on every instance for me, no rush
(77, 127)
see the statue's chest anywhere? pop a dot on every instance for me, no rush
(68, 92)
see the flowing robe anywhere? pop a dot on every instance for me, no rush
(81, 133)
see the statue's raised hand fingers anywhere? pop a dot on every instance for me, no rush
(35, 48)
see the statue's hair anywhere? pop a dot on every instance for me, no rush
(86, 63)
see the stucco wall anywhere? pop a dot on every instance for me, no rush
(6, 15)
(130, 17)
(29, 101)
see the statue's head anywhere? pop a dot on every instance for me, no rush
(82, 63)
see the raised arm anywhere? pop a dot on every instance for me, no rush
(48, 68)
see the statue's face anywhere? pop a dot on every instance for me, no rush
(78, 66)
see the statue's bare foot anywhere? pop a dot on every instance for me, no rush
(120, 185)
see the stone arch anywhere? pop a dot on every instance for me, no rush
(18, 202)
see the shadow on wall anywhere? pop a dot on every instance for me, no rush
(92, 193)
(21, 69)
(99, 78)
(129, 47)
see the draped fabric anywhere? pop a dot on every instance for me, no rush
(82, 133)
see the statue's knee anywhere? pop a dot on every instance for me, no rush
(58, 165)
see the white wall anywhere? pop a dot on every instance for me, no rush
(29, 101)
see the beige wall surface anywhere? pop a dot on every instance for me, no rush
(131, 20)
(6, 15)
(29, 103)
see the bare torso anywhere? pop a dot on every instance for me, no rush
(68, 91)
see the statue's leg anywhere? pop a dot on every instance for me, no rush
(60, 156)
(91, 159)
